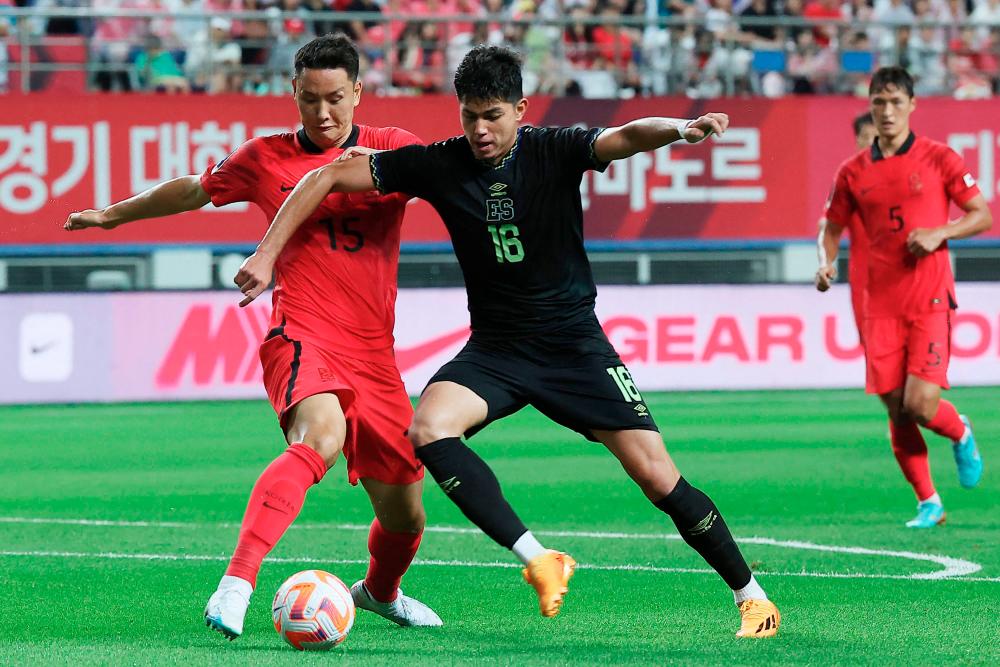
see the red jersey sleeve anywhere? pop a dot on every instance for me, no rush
(235, 178)
(841, 205)
(958, 180)
(397, 137)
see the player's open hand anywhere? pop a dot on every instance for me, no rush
(355, 151)
(826, 275)
(922, 242)
(254, 276)
(86, 219)
(710, 123)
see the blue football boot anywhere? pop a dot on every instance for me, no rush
(929, 514)
(967, 458)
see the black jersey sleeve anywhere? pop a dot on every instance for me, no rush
(405, 169)
(573, 147)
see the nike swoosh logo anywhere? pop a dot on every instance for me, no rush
(38, 349)
(275, 507)
(285, 188)
(407, 358)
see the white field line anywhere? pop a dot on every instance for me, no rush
(307, 560)
(952, 567)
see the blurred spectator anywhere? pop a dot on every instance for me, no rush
(823, 10)
(927, 62)
(65, 25)
(578, 39)
(811, 66)
(986, 12)
(419, 58)
(760, 10)
(113, 41)
(892, 14)
(7, 26)
(156, 69)
(356, 30)
(212, 63)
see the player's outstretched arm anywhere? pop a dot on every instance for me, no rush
(174, 196)
(827, 246)
(353, 175)
(646, 134)
(977, 219)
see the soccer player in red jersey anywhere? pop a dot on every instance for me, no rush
(857, 268)
(901, 188)
(328, 360)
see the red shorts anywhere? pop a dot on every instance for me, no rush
(899, 346)
(372, 396)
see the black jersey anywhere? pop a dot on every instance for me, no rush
(517, 227)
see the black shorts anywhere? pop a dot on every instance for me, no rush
(573, 376)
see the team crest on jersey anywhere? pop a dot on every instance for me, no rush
(916, 185)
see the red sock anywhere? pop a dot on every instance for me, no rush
(392, 554)
(274, 503)
(946, 421)
(911, 453)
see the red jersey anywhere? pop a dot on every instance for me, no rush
(335, 280)
(857, 267)
(894, 196)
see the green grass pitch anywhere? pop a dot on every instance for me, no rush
(116, 521)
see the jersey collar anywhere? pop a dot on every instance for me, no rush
(907, 145)
(310, 147)
(505, 160)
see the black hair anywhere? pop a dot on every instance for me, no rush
(489, 73)
(861, 120)
(895, 76)
(333, 51)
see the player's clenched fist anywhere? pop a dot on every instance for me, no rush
(88, 218)
(825, 276)
(710, 123)
(254, 276)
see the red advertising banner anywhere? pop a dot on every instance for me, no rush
(765, 179)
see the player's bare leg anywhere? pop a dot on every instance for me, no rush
(393, 542)
(644, 457)
(315, 435)
(445, 412)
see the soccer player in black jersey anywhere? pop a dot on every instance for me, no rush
(510, 198)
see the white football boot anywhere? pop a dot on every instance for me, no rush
(228, 606)
(404, 610)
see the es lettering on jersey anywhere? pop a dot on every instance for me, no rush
(517, 227)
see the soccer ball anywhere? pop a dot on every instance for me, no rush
(313, 610)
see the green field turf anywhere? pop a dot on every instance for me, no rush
(85, 583)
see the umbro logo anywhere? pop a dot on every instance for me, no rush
(498, 189)
(450, 484)
(641, 409)
(287, 188)
(704, 525)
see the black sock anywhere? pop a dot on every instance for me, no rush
(700, 524)
(471, 485)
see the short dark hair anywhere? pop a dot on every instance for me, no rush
(489, 73)
(861, 120)
(895, 76)
(333, 51)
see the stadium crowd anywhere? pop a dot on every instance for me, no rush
(598, 48)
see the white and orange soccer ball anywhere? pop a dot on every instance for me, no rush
(313, 610)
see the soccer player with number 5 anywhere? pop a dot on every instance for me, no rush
(510, 198)
(901, 188)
